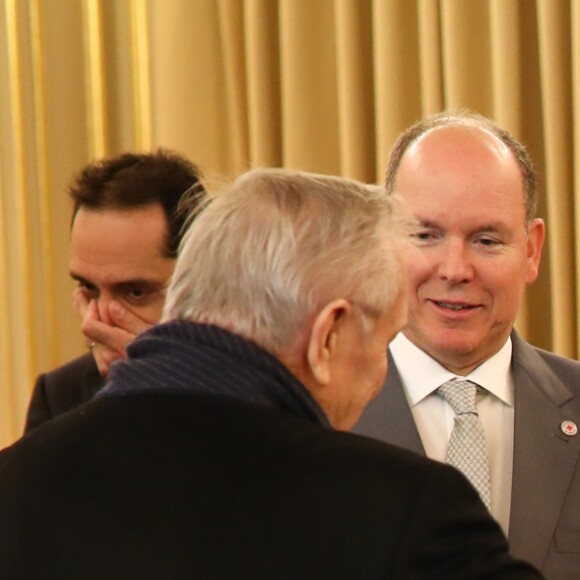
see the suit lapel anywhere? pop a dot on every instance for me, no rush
(388, 416)
(544, 458)
(90, 380)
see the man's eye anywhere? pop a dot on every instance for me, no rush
(136, 294)
(89, 290)
(488, 242)
(423, 236)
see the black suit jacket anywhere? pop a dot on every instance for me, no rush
(176, 486)
(545, 503)
(62, 389)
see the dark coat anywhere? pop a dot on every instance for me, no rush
(63, 389)
(174, 483)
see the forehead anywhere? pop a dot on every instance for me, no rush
(118, 243)
(461, 169)
(451, 147)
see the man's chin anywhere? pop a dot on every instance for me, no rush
(456, 347)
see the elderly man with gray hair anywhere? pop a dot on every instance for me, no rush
(216, 450)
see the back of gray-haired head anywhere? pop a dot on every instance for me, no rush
(470, 118)
(278, 245)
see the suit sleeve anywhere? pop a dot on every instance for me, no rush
(38, 409)
(456, 540)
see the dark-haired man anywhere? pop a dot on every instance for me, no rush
(126, 228)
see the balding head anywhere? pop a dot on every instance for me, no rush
(466, 120)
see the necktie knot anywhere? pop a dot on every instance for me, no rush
(460, 395)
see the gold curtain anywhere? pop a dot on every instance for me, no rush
(320, 85)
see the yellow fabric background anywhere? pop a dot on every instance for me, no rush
(320, 85)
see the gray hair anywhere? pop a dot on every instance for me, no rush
(277, 245)
(470, 118)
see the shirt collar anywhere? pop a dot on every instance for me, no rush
(421, 374)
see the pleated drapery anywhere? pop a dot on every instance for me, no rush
(319, 85)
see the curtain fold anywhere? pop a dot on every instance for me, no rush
(262, 45)
(319, 85)
(231, 19)
(309, 90)
(396, 68)
(555, 83)
(354, 53)
(430, 57)
(467, 55)
(505, 59)
(19, 258)
(575, 71)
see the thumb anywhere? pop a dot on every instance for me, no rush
(80, 302)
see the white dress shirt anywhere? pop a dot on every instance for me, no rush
(421, 376)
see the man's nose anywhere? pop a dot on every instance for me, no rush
(455, 265)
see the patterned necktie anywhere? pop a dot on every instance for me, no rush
(467, 448)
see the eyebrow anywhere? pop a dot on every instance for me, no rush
(492, 227)
(132, 283)
(80, 278)
(427, 223)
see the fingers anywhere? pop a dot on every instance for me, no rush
(104, 357)
(108, 340)
(126, 326)
(80, 302)
(127, 319)
(90, 320)
(108, 343)
(112, 337)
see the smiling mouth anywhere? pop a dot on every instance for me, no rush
(453, 306)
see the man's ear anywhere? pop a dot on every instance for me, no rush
(536, 236)
(323, 340)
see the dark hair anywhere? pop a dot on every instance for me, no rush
(522, 157)
(135, 180)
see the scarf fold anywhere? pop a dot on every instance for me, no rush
(185, 357)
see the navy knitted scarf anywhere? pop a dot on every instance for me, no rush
(184, 357)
